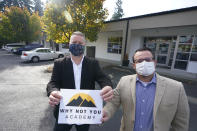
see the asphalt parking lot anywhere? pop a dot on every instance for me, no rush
(23, 101)
(24, 104)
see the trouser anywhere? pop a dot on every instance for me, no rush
(66, 127)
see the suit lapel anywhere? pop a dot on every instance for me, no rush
(160, 88)
(71, 72)
(83, 73)
(133, 93)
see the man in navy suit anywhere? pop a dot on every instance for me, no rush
(76, 72)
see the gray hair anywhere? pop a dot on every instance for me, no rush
(79, 34)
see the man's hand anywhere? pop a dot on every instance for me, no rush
(107, 93)
(54, 98)
(105, 117)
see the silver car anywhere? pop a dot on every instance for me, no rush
(40, 54)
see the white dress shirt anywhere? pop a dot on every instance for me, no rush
(77, 73)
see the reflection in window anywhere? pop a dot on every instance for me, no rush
(152, 46)
(65, 45)
(184, 48)
(159, 39)
(181, 65)
(193, 57)
(194, 48)
(47, 51)
(186, 39)
(163, 48)
(170, 62)
(182, 56)
(114, 45)
(195, 40)
(171, 55)
(161, 59)
(41, 50)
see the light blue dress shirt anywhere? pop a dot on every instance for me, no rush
(145, 96)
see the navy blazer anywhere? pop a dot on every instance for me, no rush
(63, 76)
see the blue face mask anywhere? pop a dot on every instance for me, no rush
(76, 49)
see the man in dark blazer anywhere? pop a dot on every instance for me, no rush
(76, 72)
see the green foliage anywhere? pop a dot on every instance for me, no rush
(6, 32)
(19, 25)
(118, 13)
(64, 17)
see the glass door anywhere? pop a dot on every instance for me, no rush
(183, 52)
(162, 53)
(163, 49)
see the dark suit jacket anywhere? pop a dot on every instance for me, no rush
(63, 76)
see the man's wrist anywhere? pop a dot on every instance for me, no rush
(49, 93)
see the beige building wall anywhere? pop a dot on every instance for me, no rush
(167, 20)
(172, 24)
(137, 36)
(115, 26)
(101, 46)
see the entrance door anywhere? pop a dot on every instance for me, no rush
(162, 53)
(161, 50)
(91, 51)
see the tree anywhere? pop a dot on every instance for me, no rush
(6, 32)
(19, 25)
(27, 4)
(118, 13)
(38, 7)
(18, 3)
(66, 16)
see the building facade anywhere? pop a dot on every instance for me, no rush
(172, 36)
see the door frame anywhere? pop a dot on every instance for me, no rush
(158, 54)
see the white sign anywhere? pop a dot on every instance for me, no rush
(80, 107)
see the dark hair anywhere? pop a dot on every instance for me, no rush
(143, 49)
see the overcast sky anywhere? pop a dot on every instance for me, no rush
(140, 7)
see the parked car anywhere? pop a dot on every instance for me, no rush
(40, 54)
(12, 46)
(27, 48)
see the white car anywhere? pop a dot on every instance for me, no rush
(40, 54)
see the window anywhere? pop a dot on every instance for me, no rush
(162, 49)
(114, 45)
(186, 39)
(152, 46)
(183, 52)
(187, 51)
(194, 50)
(43, 50)
(40, 51)
(65, 45)
(48, 51)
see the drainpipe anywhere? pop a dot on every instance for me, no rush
(126, 37)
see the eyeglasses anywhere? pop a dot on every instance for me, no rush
(145, 59)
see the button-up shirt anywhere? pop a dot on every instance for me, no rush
(77, 73)
(145, 96)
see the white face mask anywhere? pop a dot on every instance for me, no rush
(145, 68)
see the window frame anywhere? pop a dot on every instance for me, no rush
(114, 45)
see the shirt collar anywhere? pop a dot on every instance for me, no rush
(152, 81)
(79, 63)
